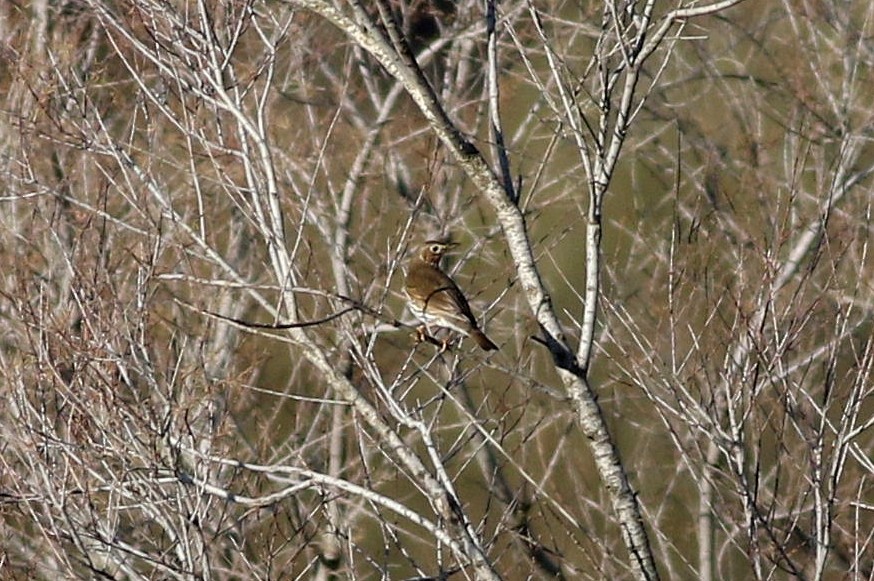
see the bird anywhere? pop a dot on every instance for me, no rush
(435, 299)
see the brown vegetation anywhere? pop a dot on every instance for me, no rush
(664, 215)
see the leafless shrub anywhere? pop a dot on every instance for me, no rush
(664, 213)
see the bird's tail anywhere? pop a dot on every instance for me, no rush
(484, 342)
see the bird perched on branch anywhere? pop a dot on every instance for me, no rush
(436, 300)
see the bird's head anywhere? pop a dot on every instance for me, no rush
(433, 250)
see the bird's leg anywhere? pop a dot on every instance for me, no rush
(423, 335)
(450, 342)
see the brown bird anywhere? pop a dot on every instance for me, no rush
(435, 299)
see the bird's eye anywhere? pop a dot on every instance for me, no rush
(436, 248)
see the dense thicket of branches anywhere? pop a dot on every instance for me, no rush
(664, 217)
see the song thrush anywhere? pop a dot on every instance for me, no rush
(435, 299)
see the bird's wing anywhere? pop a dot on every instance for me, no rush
(457, 297)
(446, 290)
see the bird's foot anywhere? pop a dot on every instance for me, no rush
(422, 336)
